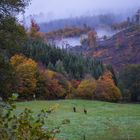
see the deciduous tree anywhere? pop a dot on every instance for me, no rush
(25, 70)
(86, 89)
(106, 89)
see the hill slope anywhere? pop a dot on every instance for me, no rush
(123, 48)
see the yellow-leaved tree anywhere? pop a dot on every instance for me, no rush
(25, 70)
(86, 89)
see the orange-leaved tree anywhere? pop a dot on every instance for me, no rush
(51, 85)
(106, 89)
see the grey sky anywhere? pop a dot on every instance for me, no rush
(65, 8)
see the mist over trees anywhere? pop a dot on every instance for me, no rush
(91, 21)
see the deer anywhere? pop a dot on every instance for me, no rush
(74, 109)
(85, 111)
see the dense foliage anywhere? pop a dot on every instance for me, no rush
(76, 66)
(24, 126)
(106, 89)
(86, 89)
(25, 74)
(130, 82)
(52, 85)
(6, 77)
(12, 34)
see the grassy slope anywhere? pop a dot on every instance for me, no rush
(104, 121)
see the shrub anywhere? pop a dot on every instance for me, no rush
(24, 126)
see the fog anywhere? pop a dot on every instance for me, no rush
(57, 9)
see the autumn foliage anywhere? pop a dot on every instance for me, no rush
(34, 31)
(25, 70)
(92, 37)
(52, 85)
(106, 89)
(86, 89)
(35, 82)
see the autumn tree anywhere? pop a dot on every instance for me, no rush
(75, 83)
(34, 28)
(34, 31)
(12, 36)
(106, 89)
(60, 86)
(92, 39)
(25, 71)
(52, 85)
(86, 89)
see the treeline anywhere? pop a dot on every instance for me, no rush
(91, 21)
(67, 32)
(33, 81)
(62, 61)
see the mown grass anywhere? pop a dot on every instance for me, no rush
(104, 121)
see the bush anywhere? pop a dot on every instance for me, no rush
(23, 126)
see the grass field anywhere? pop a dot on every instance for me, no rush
(104, 121)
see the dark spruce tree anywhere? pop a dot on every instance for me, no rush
(75, 65)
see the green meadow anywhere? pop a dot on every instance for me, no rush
(103, 121)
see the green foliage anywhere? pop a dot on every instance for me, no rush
(114, 77)
(104, 121)
(23, 126)
(59, 67)
(50, 66)
(76, 66)
(10, 8)
(7, 78)
(12, 34)
(130, 81)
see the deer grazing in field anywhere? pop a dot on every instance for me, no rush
(85, 111)
(74, 109)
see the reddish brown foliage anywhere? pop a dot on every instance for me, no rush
(106, 89)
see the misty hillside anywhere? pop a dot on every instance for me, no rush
(91, 21)
(121, 49)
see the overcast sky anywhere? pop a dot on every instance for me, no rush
(65, 8)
